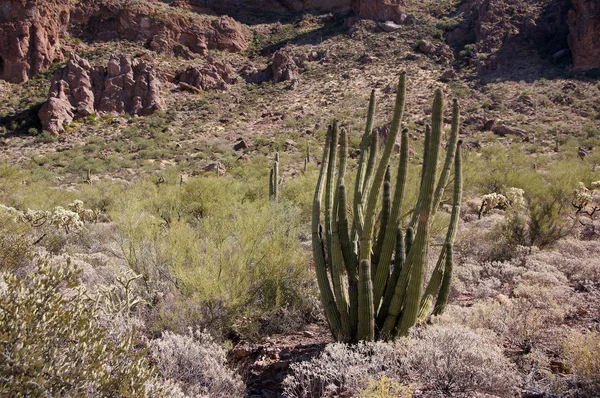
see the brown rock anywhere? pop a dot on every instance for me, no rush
(448, 75)
(286, 65)
(214, 76)
(240, 145)
(584, 34)
(29, 36)
(427, 47)
(380, 10)
(130, 87)
(183, 86)
(504, 130)
(76, 90)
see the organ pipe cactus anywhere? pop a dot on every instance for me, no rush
(371, 271)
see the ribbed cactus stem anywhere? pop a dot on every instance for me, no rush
(384, 221)
(350, 260)
(415, 215)
(418, 254)
(450, 152)
(375, 187)
(380, 281)
(366, 327)
(327, 298)
(444, 293)
(271, 184)
(399, 257)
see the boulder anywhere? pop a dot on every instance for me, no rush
(504, 130)
(584, 34)
(380, 10)
(286, 65)
(213, 76)
(30, 33)
(77, 90)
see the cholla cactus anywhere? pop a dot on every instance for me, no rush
(86, 215)
(492, 201)
(515, 198)
(582, 196)
(67, 219)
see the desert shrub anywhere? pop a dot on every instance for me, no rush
(342, 369)
(228, 260)
(582, 353)
(448, 360)
(454, 360)
(386, 387)
(15, 245)
(197, 364)
(51, 344)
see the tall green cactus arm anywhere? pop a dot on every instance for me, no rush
(439, 276)
(327, 299)
(330, 186)
(375, 187)
(426, 143)
(350, 259)
(276, 180)
(379, 283)
(337, 280)
(384, 221)
(271, 184)
(450, 152)
(366, 326)
(418, 254)
(444, 293)
(399, 258)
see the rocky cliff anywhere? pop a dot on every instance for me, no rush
(584, 34)
(77, 90)
(30, 33)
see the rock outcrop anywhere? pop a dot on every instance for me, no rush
(584, 34)
(509, 29)
(286, 65)
(213, 76)
(380, 10)
(161, 27)
(29, 36)
(77, 90)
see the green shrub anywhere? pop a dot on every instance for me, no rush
(51, 344)
(15, 246)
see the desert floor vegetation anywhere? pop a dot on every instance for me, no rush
(149, 256)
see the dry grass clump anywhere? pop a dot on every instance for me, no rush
(582, 353)
(196, 364)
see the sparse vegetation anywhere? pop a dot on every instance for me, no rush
(141, 255)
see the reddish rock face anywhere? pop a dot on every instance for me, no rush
(77, 90)
(584, 34)
(29, 36)
(382, 10)
(166, 30)
(214, 76)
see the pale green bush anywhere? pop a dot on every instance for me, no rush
(50, 343)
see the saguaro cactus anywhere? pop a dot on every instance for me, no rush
(371, 273)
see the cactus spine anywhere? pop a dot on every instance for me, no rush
(383, 255)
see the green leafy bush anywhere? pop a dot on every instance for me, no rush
(51, 345)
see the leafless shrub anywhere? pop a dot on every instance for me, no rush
(342, 369)
(455, 360)
(197, 364)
